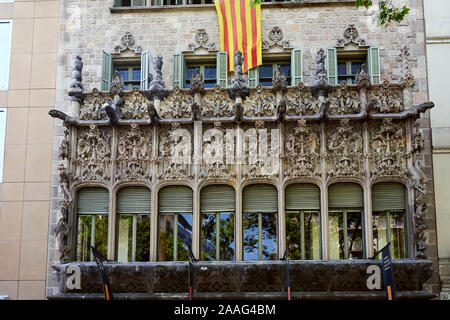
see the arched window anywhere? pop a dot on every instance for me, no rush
(260, 208)
(388, 212)
(92, 222)
(217, 206)
(133, 229)
(302, 206)
(175, 223)
(345, 218)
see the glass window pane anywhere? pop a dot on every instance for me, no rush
(265, 83)
(227, 236)
(269, 236)
(356, 66)
(266, 71)
(166, 227)
(354, 235)
(286, 68)
(250, 226)
(379, 231)
(184, 236)
(86, 234)
(293, 235)
(137, 74)
(397, 223)
(208, 236)
(210, 72)
(137, 227)
(336, 235)
(210, 84)
(342, 68)
(123, 73)
(191, 71)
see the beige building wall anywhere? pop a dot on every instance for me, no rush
(437, 18)
(25, 190)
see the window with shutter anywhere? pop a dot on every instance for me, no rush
(260, 208)
(302, 205)
(92, 222)
(222, 69)
(296, 67)
(388, 215)
(373, 61)
(345, 219)
(331, 64)
(133, 230)
(179, 70)
(107, 68)
(217, 234)
(175, 223)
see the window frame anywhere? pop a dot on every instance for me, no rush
(201, 67)
(348, 76)
(8, 54)
(302, 212)
(130, 65)
(175, 234)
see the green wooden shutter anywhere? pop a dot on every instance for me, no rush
(345, 195)
(107, 67)
(117, 3)
(302, 196)
(138, 3)
(144, 70)
(296, 67)
(388, 196)
(218, 198)
(222, 69)
(134, 200)
(175, 199)
(253, 77)
(93, 201)
(179, 67)
(332, 65)
(260, 198)
(373, 60)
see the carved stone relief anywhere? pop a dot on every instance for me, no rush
(343, 101)
(136, 106)
(302, 150)
(175, 152)
(385, 99)
(127, 42)
(260, 103)
(134, 153)
(93, 158)
(92, 109)
(177, 105)
(217, 104)
(345, 150)
(201, 40)
(276, 38)
(351, 35)
(301, 102)
(388, 149)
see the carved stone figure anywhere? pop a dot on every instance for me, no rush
(117, 86)
(302, 149)
(363, 77)
(279, 79)
(345, 151)
(321, 85)
(407, 78)
(64, 148)
(239, 84)
(342, 101)
(63, 227)
(197, 82)
(76, 87)
(157, 88)
(351, 35)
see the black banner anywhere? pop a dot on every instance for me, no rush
(103, 276)
(191, 273)
(388, 274)
(288, 278)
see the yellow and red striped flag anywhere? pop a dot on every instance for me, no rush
(240, 29)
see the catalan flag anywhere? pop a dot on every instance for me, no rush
(240, 29)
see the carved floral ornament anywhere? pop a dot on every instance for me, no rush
(351, 35)
(177, 105)
(275, 38)
(301, 102)
(127, 42)
(217, 104)
(260, 103)
(344, 101)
